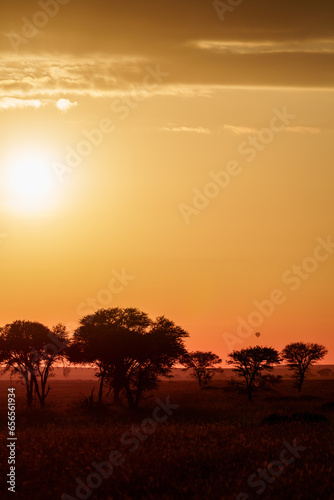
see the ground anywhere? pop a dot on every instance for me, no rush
(207, 448)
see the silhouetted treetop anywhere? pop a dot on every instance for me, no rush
(28, 348)
(300, 356)
(250, 362)
(129, 349)
(201, 364)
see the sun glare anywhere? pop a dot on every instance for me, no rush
(30, 182)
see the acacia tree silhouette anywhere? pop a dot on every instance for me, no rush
(104, 340)
(251, 362)
(202, 365)
(130, 350)
(26, 350)
(300, 357)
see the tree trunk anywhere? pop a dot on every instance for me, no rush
(101, 388)
(42, 396)
(300, 383)
(30, 392)
(40, 393)
(250, 393)
(29, 398)
(130, 398)
(116, 398)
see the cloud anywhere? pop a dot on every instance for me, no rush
(192, 130)
(295, 37)
(99, 76)
(303, 130)
(266, 47)
(17, 103)
(52, 77)
(65, 104)
(36, 76)
(12, 102)
(239, 130)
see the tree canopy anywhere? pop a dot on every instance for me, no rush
(202, 364)
(251, 362)
(129, 349)
(300, 357)
(28, 348)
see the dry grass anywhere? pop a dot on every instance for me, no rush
(206, 450)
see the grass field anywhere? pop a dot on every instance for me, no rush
(205, 449)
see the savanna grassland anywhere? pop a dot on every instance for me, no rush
(206, 449)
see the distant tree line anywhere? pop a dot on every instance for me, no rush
(130, 353)
(252, 362)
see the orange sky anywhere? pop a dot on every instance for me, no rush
(154, 155)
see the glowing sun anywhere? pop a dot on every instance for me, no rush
(30, 182)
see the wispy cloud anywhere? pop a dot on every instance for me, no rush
(50, 75)
(303, 130)
(265, 47)
(7, 103)
(192, 130)
(12, 102)
(35, 81)
(69, 77)
(240, 130)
